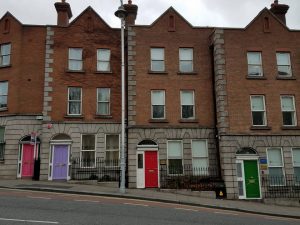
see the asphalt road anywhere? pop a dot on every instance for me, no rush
(28, 207)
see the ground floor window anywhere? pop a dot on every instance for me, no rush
(275, 166)
(88, 150)
(175, 162)
(200, 157)
(2, 143)
(296, 164)
(112, 149)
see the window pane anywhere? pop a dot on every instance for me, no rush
(140, 161)
(258, 118)
(257, 103)
(88, 142)
(1, 151)
(112, 156)
(187, 98)
(296, 157)
(175, 166)
(288, 118)
(157, 66)
(75, 93)
(254, 70)
(75, 65)
(103, 66)
(283, 58)
(174, 149)
(3, 88)
(276, 176)
(187, 111)
(199, 149)
(254, 58)
(2, 129)
(287, 103)
(186, 54)
(239, 172)
(5, 49)
(186, 66)
(88, 158)
(103, 108)
(5, 60)
(241, 188)
(200, 163)
(158, 111)
(158, 97)
(74, 107)
(3, 101)
(103, 54)
(274, 157)
(284, 70)
(157, 54)
(297, 175)
(103, 94)
(75, 53)
(112, 141)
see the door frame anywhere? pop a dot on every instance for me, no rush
(241, 159)
(141, 150)
(51, 157)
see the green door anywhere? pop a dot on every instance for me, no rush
(251, 179)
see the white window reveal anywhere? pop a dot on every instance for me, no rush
(275, 166)
(88, 150)
(158, 104)
(75, 59)
(288, 111)
(175, 155)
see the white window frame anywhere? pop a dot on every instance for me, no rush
(69, 101)
(282, 166)
(88, 150)
(4, 94)
(75, 60)
(182, 60)
(202, 171)
(111, 150)
(288, 65)
(168, 157)
(2, 55)
(158, 60)
(293, 112)
(297, 180)
(164, 104)
(264, 111)
(255, 65)
(107, 102)
(99, 61)
(181, 104)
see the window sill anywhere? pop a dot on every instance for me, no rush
(74, 116)
(158, 121)
(75, 71)
(255, 77)
(187, 73)
(188, 121)
(285, 77)
(103, 117)
(4, 109)
(158, 72)
(5, 66)
(103, 72)
(290, 128)
(260, 128)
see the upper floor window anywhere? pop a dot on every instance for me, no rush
(158, 104)
(2, 143)
(288, 110)
(112, 146)
(75, 59)
(103, 101)
(3, 94)
(258, 110)
(187, 104)
(88, 150)
(157, 59)
(254, 64)
(74, 101)
(284, 64)
(185, 60)
(103, 60)
(5, 50)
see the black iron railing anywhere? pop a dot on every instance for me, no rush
(189, 177)
(98, 169)
(287, 186)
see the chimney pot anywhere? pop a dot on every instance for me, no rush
(64, 13)
(131, 13)
(279, 10)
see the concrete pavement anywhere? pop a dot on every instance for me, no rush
(179, 197)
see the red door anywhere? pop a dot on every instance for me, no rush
(27, 160)
(151, 169)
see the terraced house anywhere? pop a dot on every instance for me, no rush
(207, 108)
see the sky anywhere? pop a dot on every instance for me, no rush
(216, 13)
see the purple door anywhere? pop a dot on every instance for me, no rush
(60, 162)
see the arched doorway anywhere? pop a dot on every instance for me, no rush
(60, 157)
(248, 173)
(29, 151)
(147, 165)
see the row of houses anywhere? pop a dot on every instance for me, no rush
(218, 99)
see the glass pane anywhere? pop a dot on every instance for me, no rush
(3, 88)
(158, 112)
(297, 175)
(157, 66)
(103, 66)
(103, 94)
(174, 149)
(2, 129)
(241, 188)
(284, 70)
(140, 161)
(112, 156)
(74, 93)
(254, 58)
(200, 164)
(5, 60)
(175, 166)
(187, 98)
(296, 157)
(158, 97)
(257, 103)
(288, 118)
(103, 108)
(103, 54)
(5, 49)
(274, 157)
(254, 70)
(157, 54)
(186, 54)
(74, 108)
(276, 176)
(112, 141)
(283, 58)
(258, 118)
(187, 111)
(287, 103)
(186, 66)
(88, 159)
(239, 172)
(199, 148)
(1, 151)
(88, 142)
(75, 65)
(75, 53)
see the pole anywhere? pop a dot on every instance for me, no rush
(122, 164)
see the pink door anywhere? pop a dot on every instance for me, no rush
(27, 160)
(151, 169)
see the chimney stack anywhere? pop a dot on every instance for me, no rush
(64, 13)
(279, 10)
(131, 13)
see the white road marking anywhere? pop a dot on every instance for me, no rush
(194, 210)
(29, 221)
(82, 200)
(127, 203)
(38, 197)
(227, 213)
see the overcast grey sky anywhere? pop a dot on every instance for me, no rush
(224, 13)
